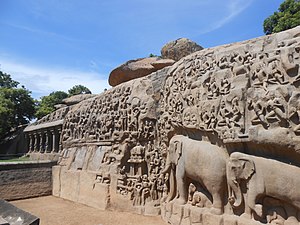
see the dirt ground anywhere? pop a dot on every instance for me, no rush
(57, 211)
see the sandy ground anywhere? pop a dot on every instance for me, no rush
(57, 211)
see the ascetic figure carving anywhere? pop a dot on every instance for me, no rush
(263, 177)
(191, 160)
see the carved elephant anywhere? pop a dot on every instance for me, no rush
(191, 160)
(262, 177)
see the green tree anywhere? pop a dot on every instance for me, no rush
(17, 107)
(79, 89)
(6, 81)
(288, 16)
(47, 103)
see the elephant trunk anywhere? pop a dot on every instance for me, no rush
(172, 182)
(166, 169)
(235, 198)
(169, 168)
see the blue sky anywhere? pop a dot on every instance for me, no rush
(50, 45)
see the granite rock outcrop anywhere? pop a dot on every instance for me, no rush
(212, 139)
(137, 68)
(179, 48)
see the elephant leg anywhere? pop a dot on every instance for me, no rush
(251, 205)
(172, 191)
(182, 187)
(217, 207)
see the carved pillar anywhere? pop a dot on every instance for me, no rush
(53, 141)
(32, 142)
(41, 141)
(29, 142)
(47, 144)
(59, 140)
(35, 143)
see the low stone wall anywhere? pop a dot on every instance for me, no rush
(20, 180)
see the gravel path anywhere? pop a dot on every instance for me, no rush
(57, 211)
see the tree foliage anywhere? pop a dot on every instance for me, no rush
(17, 107)
(6, 81)
(47, 103)
(288, 16)
(79, 89)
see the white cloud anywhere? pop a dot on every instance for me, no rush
(234, 8)
(44, 33)
(42, 81)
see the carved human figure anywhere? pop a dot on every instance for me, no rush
(277, 106)
(294, 111)
(277, 74)
(238, 112)
(137, 193)
(259, 76)
(259, 108)
(212, 88)
(153, 187)
(145, 189)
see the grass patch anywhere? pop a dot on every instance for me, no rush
(20, 159)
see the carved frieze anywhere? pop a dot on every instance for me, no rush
(218, 131)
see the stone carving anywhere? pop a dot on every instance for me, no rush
(263, 177)
(190, 160)
(218, 131)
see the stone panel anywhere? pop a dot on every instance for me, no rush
(69, 188)
(92, 193)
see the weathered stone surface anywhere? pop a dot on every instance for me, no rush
(185, 221)
(3, 221)
(56, 181)
(76, 99)
(230, 219)
(69, 184)
(151, 210)
(93, 193)
(210, 219)
(137, 68)
(179, 48)
(59, 106)
(25, 179)
(196, 215)
(11, 215)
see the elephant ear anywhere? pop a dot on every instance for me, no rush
(248, 168)
(178, 150)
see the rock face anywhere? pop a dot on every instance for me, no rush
(179, 48)
(137, 68)
(212, 139)
(76, 99)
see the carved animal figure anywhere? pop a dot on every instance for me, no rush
(262, 177)
(191, 160)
